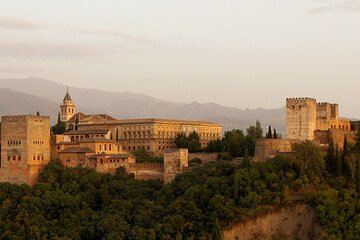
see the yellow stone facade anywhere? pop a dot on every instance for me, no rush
(155, 135)
(25, 148)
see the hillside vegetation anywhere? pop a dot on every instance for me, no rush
(82, 204)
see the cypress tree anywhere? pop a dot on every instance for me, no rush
(269, 135)
(357, 174)
(330, 158)
(38, 113)
(344, 154)
(275, 134)
(246, 161)
(338, 162)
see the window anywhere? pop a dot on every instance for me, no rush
(19, 158)
(109, 147)
(14, 158)
(8, 158)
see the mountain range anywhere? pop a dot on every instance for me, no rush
(29, 95)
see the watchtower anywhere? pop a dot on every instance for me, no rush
(25, 148)
(175, 162)
(300, 118)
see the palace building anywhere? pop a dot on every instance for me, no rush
(151, 134)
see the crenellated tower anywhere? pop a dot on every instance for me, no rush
(67, 109)
(300, 118)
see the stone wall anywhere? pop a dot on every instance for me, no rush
(146, 171)
(205, 157)
(268, 148)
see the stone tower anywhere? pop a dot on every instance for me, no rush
(300, 118)
(25, 148)
(67, 109)
(175, 162)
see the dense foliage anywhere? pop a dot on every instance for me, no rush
(236, 142)
(82, 204)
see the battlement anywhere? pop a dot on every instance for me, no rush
(22, 117)
(327, 104)
(300, 100)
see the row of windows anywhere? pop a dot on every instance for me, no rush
(166, 135)
(343, 127)
(38, 142)
(15, 157)
(38, 158)
(14, 143)
(71, 110)
(82, 137)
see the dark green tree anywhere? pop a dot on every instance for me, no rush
(357, 174)
(338, 162)
(330, 160)
(309, 159)
(60, 127)
(37, 113)
(344, 155)
(181, 140)
(269, 133)
(253, 133)
(246, 160)
(275, 136)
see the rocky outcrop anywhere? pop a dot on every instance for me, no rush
(298, 222)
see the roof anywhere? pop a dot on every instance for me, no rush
(87, 131)
(112, 156)
(153, 121)
(93, 118)
(67, 96)
(95, 140)
(77, 150)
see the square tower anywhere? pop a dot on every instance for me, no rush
(175, 162)
(300, 118)
(25, 148)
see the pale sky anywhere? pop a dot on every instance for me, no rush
(241, 53)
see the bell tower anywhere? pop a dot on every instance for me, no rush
(67, 109)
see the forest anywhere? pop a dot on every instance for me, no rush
(77, 203)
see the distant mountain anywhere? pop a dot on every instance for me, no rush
(12, 102)
(45, 96)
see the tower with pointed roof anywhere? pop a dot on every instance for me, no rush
(67, 109)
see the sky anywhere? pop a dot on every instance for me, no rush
(238, 53)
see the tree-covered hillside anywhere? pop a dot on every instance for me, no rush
(82, 204)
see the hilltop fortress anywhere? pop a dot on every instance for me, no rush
(97, 141)
(306, 119)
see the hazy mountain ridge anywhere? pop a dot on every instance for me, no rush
(32, 94)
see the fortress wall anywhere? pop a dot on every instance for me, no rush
(205, 157)
(146, 171)
(268, 148)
